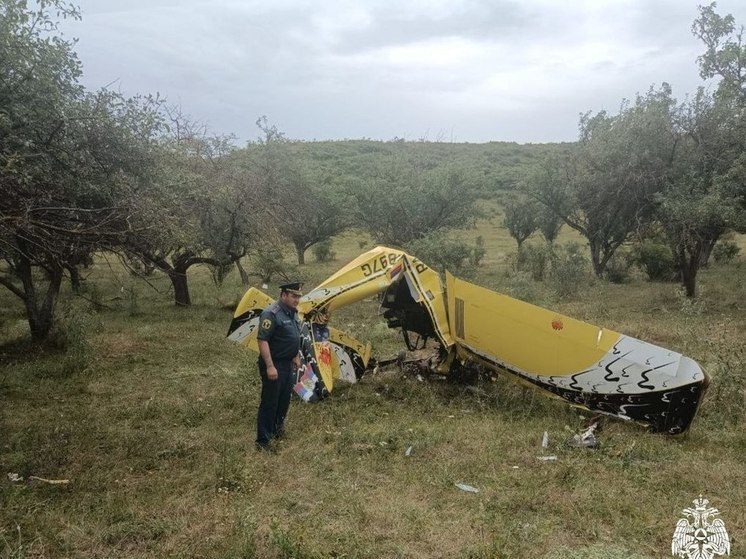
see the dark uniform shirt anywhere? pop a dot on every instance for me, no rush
(278, 325)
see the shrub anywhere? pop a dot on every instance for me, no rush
(523, 287)
(268, 262)
(531, 259)
(441, 252)
(618, 268)
(478, 252)
(536, 260)
(95, 296)
(657, 260)
(569, 271)
(132, 300)
(725, 251)
(323, 251)
(727, 393)
(73, 326)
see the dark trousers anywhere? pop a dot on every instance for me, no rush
(273, 407)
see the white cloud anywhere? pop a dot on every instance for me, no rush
(484, 69)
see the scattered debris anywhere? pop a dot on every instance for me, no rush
(408, 452)
(401, 359)
(419, 377)
(15, 478)
(544, 446)
(587, 439)
(467, 488)
(451, 416)
(49, 481)
(515, 467)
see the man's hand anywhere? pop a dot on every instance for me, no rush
(272, 373)
(296, 362)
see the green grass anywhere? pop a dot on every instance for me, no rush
(153, 424)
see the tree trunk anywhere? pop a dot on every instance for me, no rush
(689, 278)
(40, 316)
(220, 272)
(74, 278)
(704, 260)
(181, 289)
(242, 272)
(300, 250)
(689, 261)
(177, 272)
(598, 265)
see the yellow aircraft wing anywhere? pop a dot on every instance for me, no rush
(367, 275)
(592, 367)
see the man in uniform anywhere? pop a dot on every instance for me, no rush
(279, 339)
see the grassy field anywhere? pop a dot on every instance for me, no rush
(150, 415)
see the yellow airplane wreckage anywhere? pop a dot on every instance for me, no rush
(475, 329)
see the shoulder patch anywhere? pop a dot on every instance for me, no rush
(266, 324)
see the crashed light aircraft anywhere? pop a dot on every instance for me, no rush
(590, 367)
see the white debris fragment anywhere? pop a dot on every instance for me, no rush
(545, 440)
(52, 481)
(515, 467)
(419, 377)
(551, 458)
(408, 452)
(467, 488)
(587, 439)
(14, 478)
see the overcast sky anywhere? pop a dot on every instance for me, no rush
(467, 71)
